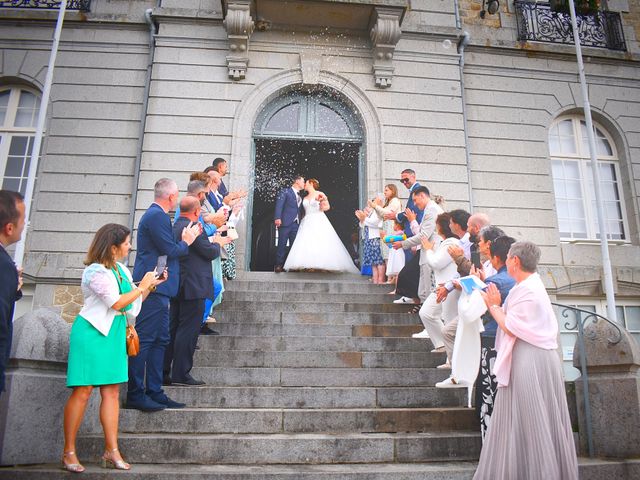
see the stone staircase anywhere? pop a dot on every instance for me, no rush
(314, 376)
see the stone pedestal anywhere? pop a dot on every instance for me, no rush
(613, 359)
(31, 408)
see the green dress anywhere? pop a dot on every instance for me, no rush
(95, 359)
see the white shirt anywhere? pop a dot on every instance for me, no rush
(465, 243)
(100, 291)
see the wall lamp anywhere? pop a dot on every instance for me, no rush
(490, 6)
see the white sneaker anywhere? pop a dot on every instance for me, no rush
(451, 383)
(444, 366)
(403, 300)
(438, 350)
(422, 334)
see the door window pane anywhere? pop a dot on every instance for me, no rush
(285, 120)
(329, 122)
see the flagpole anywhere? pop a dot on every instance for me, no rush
(35, 151)
(604, 242)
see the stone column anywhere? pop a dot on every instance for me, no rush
(612, 360)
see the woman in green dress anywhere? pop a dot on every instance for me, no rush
(97, 345)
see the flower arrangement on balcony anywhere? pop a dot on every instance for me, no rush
(582, 6)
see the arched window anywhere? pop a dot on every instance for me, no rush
(19, 109)
(573, 181)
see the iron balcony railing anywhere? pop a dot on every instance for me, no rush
(81, 5)
(538, 23)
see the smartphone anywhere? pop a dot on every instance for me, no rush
(161, 265)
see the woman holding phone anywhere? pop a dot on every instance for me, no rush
(97, 345)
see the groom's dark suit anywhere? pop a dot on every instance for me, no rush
(289, 212)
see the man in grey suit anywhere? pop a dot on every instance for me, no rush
(422, 200)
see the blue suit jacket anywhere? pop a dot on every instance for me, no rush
(196, 275)
(403, 218)
(155, 238)
(287, 207)
(9, 294)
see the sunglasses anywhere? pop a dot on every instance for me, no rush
(404, 180)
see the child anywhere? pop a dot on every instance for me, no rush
(395, 262)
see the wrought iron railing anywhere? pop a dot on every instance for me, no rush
(81, 5)
(538, 23)
(578, 322)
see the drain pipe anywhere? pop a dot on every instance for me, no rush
(462, 43)
(153, 31)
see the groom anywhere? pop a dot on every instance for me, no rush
(287, 217)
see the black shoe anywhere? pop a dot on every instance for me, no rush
(205, 330)
(164, 400)
(189, 381)
(166, 380)
(145, 405)
(278, 269)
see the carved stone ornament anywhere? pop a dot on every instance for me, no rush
(239, 26)
(310, 65)
(385, 35)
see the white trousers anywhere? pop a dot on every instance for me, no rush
(431, 316)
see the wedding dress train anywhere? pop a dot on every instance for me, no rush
(317, 245)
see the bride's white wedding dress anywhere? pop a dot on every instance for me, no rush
(317, 244)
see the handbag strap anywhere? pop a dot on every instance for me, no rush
(119, 281)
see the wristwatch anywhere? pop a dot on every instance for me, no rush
(152, 288)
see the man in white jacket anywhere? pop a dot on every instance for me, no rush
(427, 229)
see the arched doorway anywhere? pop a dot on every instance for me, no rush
(314, 133)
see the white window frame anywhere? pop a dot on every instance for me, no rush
(7, 129)
(583, 159)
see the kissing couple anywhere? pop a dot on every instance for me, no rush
(300, 220)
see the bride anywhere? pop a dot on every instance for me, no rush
(317, 245)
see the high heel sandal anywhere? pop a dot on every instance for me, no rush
(70, 467)
(109, 462)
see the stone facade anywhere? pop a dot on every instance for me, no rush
(477, 135)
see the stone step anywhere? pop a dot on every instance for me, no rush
(306, 343)
(590, 469)
(301, 277)
(313, 307)
(317, 397)
(318, 359)
(245, 420)
(341, 318)
(319, 377)
(307, 287)
(298, 297)
(314, 330)
(292, 448)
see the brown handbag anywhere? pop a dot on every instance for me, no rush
(131, 336)
(133, 342)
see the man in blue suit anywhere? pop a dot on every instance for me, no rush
(196, 285)
(408, 179)
(155, 238)
(287, 218)
(11, 226)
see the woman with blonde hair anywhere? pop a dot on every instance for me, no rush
(97, 345)
(392, 204)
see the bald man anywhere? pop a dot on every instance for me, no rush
(196, 285)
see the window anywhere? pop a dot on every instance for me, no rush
(573, 182)
(19, 109)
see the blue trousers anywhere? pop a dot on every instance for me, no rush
(152, 326)
(285, 233)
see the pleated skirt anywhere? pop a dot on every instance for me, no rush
(529, 436)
